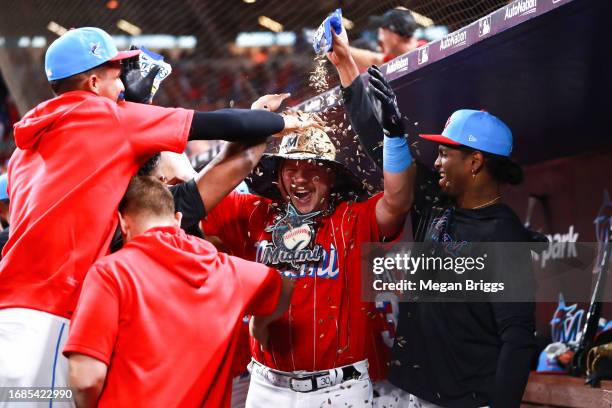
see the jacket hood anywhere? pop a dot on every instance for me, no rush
(43, 117)
(181, 253)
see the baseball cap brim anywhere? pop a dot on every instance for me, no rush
(440, 139)
(125, 54)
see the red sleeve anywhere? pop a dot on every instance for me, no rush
(94, 325)
(220, 217)
(259, 286)
(388, 57)
(229, 221)
(151, 129)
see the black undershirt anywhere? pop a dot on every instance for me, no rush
(4, 236)
(187, 200)
(247, 126)
(361, 111)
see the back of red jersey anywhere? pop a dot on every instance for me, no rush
(148, 312)
(76, 154)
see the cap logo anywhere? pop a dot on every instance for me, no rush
(95, 49)
(472, 139)
(291, 142)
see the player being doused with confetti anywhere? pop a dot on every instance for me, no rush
(308, 220)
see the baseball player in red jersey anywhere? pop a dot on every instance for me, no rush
(136, 339)
(75, 155)
(306, 222)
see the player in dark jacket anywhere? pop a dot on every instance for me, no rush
(456, 354)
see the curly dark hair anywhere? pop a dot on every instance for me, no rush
(504, 170)
(150, 165)
(501, 168)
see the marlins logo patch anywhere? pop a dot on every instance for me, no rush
(292, 238)
(95, 49)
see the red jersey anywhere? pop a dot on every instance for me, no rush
(75, 156)
(388, 57)
(163, 314)
(327, 324)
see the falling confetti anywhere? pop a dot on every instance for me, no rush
(318, 77)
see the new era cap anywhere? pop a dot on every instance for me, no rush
(79, 50)
(476, 129)
(400, 21)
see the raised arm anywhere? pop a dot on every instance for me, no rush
(234, 162)
(398, 167)
(244, 125)
(360, 106)
(399, 170)
(233, 125)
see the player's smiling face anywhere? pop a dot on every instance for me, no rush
(454, 169)
(307, 184)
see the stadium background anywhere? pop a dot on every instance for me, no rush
(548, 77)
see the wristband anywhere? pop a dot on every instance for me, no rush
(396, 154)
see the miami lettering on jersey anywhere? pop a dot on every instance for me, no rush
(325, 267)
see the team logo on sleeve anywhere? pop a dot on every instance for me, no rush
(292, 240)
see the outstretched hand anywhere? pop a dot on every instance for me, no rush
(391, 120)
(137, 88)
(297, 121)
(270, 102)
(340, 53)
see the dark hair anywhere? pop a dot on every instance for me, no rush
(146, 195)
(150, 165)
(501, 168)
(75, 82)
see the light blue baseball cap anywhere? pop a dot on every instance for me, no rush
(476, 129)
(4, 187)
(80, 50)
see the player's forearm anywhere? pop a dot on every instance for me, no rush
(360, 112)
(365, 58)
(236, 125)
(86, 397)
(399, 190)
(347, 71)
(284, 300)
(512, 375)
(515, 323)
(396, 201)
(226, 171)
(258, 326)
(86, 382)
(399, 172)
